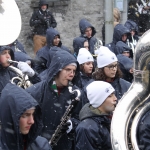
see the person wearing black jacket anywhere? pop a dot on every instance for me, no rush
(41, 20)
(21, 121)
(134, 11)
(6, 74)
(53, 95)
(93, 132)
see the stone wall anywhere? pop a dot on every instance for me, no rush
(67, 14)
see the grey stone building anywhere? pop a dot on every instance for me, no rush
(67, 14)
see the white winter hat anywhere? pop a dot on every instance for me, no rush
(105, 57)
(84, 56)
(98, 91)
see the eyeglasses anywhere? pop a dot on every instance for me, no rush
(111, 67)
(69, 71)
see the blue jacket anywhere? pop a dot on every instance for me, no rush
(78, 43)
(121, 47)
(119, 30)
(131, 25)
(83, 80)
(83, 25)
(92, 133)
(13, 103)
(42, 55)
(143, 132)
(53, 105)
(125, 65)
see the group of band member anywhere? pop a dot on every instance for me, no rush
(98, 75)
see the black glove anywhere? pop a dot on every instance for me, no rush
(65, 127)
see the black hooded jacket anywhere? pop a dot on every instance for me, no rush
(6, 74)
(42, 20)
(78, 43)
(83, 25)
(131, 25)
(42, 55)
(93, 131)
(13, 103)
(119, 30)
(125, 65)
(54, 106)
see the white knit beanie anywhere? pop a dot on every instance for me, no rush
(98, 91)
(84, 56)
(105, 57)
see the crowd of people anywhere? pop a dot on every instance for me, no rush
(29, 116)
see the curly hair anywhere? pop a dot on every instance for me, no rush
(99, 74)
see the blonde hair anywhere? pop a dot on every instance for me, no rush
(117, 15)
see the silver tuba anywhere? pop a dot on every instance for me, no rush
(130, 108)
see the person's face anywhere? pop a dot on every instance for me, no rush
(88, 32)
(56, 40)
(88, 66)
(132, 32)
(124, 37)
(86, 45)
(26, 121)
(65, 75)
(110, 70)
(4, 56)
(44, 7)
(109, 104)
(126, 53)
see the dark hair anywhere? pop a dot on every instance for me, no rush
(99, 74)
(82, 68)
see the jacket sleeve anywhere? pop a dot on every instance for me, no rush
(40, 64)
(35, 79)
(53, 21)
(40, 144)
